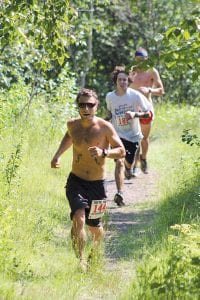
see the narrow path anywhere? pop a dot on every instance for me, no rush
(126, 225)
(125, 228)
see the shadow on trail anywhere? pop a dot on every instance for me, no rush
(126, 233)
(130, 231)
(127, 227)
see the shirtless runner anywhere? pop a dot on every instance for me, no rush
(93, 140)
(149, 83)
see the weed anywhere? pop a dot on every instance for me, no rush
(13, 164)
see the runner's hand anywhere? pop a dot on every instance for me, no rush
(55, 163)
(95, 151)
(129, 115)
(84, 201)
(144, 90)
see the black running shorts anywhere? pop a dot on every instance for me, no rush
(131, 149)
(80, 194)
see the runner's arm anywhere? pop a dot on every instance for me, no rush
(157, 89)
(116, 149)
(64, 145)
(132, 114)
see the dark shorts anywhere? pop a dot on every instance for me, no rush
(80, 194)
(131, 149)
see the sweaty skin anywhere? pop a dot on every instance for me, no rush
(88, 142)
(145, 80)
(89, 135)
(149, 83)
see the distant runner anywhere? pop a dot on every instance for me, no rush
(91, 137)
(149, 83)
(123, 105)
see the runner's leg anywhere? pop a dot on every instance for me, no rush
(136, 164)
(137, 158)
(119, 174)
(97, 237)
(78, 234)
(119, 179)
(145, 141)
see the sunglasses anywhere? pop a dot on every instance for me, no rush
(83, 105)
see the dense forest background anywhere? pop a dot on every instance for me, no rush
(55, 47)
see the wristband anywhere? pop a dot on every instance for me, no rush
(136, 115)
(104, 153)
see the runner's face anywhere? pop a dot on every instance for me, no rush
(87, 107)
(140, 58)
(122, 81)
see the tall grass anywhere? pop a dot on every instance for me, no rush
(170, 266)
(36, 257)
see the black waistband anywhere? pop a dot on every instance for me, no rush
(72, 175)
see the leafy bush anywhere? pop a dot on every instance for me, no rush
(174, 273)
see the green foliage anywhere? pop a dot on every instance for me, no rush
(11, 105)
(189, 138)
(35, 247)
(123, 26)
(169, 267)
(183, 46)
(16, 103)
(181, 58)
(173, 274)
(42, 42)
(35, 37)
(41, 39)
(13, 165)
(6, 243)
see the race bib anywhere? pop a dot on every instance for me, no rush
(121, 121)
(97, 209)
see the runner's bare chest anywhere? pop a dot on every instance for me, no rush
(87, 137)
(141, 79)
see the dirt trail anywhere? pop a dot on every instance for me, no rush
(132, 219)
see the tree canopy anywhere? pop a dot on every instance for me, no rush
(41, 39)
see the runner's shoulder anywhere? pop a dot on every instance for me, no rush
(105, 124)
(110, 94)
(73, 122)
(154, 71)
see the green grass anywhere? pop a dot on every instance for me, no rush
(36, 258)
(170, 265)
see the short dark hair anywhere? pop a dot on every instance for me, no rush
(87, 93)
(116, 71)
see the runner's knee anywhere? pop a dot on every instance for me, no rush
(79, 218)
(145, 138)
(119, 163)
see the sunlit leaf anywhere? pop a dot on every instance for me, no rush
(168, 32)
(170, 64)
(186, 34)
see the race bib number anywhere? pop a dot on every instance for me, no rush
(121, 121)
(97, 209)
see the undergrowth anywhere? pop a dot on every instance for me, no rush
(36, 257)
(170, 265)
